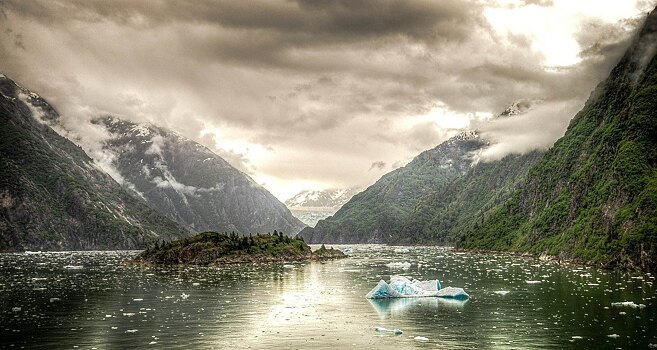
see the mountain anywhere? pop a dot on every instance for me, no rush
(190, 184)
(312, 206)
(372, 215)
(593, 196)
(53, 196)
(325, 199)
(443, 216)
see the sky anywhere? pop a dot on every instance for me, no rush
(312, 95)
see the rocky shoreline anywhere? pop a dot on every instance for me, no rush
(618, 263)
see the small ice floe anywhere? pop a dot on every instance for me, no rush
(613, 336)
(577, 337)
(533, 282)
(388, 331)
(288, 266)
(138, 299)
(73, 267)
(128, 314)
(196, 284)
(628, 304)
(419, 338)
(501, 292)
(131, 331)
(184, 296)
(153, 342)
(16, 309)
(401, 265)
(52, 300)
(401, 250)
(32, 252)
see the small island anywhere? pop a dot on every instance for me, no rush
(214, 248)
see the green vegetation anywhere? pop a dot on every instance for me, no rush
(374, 214)
(593, 197)
(223, 248)
(463, 204)
(52, 196)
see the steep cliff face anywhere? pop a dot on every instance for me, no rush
(593, 197)
(442, 217)
(52, 195)
(190, 184)
(372, 215)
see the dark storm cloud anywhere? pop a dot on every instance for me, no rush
(317, 22)
(348, 81)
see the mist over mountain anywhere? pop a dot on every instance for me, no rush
(190, 184)
(378, 213)
(593, 196)
(372, 215)
(54, 196)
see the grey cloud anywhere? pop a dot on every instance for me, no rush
(379, 165)
(538, 128)
(333, 79)
(317, 19)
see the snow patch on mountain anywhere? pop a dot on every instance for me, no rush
(325, 199)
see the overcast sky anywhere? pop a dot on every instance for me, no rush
(319, 94)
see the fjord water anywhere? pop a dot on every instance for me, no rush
(94, 300)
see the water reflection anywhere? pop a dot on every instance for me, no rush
(398, 307)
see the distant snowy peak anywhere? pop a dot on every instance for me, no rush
(331, 198)
(520, 107)
(465, 135)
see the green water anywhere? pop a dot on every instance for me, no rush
(106, 304)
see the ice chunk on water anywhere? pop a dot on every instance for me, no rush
(452, 292)
(74, 267)
(501, 292)
(388, 331)
(401, 265)
(419, 338)
(628, 304)
(402, 287)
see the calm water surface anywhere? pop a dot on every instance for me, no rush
(98, 302)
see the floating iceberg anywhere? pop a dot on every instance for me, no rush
(402, 287)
